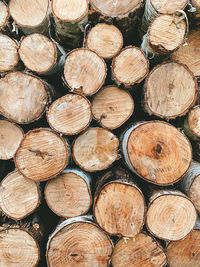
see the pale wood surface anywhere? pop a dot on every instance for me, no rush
(168, 7)
(4, 15)
(192, 123)
(196, 3)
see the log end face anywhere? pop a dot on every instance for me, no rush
(168, 7)
(194, 121)
(194, 192)
(4, 15)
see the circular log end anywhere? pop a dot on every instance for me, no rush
(168, 7)
(84, 71)
(194, 193)
(194, 120)
(42, 155)
(4, 15)
(104, 39)
(96, 149)
(65, 117)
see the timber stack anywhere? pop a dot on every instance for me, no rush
(99, 133)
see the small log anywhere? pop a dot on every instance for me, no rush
(64, 114)
(4, 15)
(192, 123)
(70, 19)
(165, 95)
(157, 152)
(9, 56)
(142, 250)
(105, 39)
(112, 107)
(190, 184)
(116, 196)
(95, 149)
(23, 97)
(31, 16)
(19, 196)
(41, 55)
(171, 215)
(189, 52)
(84, 71)
(69, 194)
(43, 154)
(79, 242)
(11, 137)
(130, 66)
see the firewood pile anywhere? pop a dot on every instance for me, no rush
(99, 133)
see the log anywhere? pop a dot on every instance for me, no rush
(4, 15)
(189, 52)
(64, 114)
(41, 55)
(190, 184)
(165, 95)
(84, 71)
(11, 137)
(42, 155)
(19, 196)
(192, 123)
(95, 149)
(195, 9)
(9, 56)
(119, 205)
(79, 242)
(70, 18)
(31, 16)
(69, 194)
(171, 215)
(105, 39)
(157, 152)
(23, 97)
(112, 107)
(142, 250)
(130, 66)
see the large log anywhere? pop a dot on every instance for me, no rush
(79, 242)
(157, 152)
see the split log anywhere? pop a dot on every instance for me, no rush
(19, 196)
(190, 184)
(69, 194)
(31, 16)
(70, 19)
(23, 97)
(11, 137)
(41, 55)
(104, 39)
(95, 149)
(112, 107)
(42, 154)
(64, 114)
(157, 152)
(119, 205)
(84, 71)
(79, 242)
(165, 95)
(171, 215)
(189, 52)
(9, 56)
(192, 123)
(142, 250)
(130, 66)
(4, 15)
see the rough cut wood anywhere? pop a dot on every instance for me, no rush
(95, 149)
(130, 66)
(41, 55)
(112, 107)
(23, 97)
(4, 15)
(70, 114)
(69, 194)
(84, 71)
(32, 16)
(105, 39)
(189, 52)
(192, 123)
(186, 252)
(43, 154)
(9, 56)
(79, 242)
(157, 152)
(142, 250)
(11, 136)
(119, 205)
(170, 90)
(19, 196)
(170, 215)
